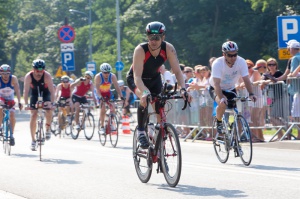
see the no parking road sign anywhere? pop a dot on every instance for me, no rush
(66, 34)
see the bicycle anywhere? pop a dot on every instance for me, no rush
(236, 135)
(86, 123)
(65, 122)
(6, 131)
(111, 125)
(164, 146)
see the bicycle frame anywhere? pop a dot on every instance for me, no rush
(6, 136)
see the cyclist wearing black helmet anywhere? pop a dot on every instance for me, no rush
(226, 71)
(144, 77)
(40, 83)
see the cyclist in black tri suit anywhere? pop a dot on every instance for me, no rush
(144, 77)
(40, 83)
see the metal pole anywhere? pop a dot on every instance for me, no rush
(90, 23)
(118, 37)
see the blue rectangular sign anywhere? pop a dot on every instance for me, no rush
(287, 29)
(68, 61)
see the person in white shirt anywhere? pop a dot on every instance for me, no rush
(166, 75)
(226, 71)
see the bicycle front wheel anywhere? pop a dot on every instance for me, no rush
(54, 125)
(89, 126)
(243, 140)
(114, 134)
(142, 160)
(6, 138)
(220, 144)
(102, 135)
(171, 158)
(69, 126)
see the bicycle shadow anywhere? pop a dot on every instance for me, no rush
(204, 191)
(265, 167)
(21, 155)
(60, 161)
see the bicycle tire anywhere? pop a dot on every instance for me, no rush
(54, 125)
(69, 126)
(39, 139)
(102, 137)
(243, 140)
(220, 144)
(142, 160)
(75, 132)
(9, 133)
(119, 116)
(171, 157)
(114, 130)
(6, 137)
(89, 126)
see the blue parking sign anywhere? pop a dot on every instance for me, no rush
(287, 29)
(68, 61)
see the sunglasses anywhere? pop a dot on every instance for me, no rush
(88, 77)
(106, 72)
(39, 70)
(188, 71)
(65, 81)
(154, 37)
(232, 55)
(7, 73)
(271, 64)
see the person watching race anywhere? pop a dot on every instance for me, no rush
(81, 87)
(63, 90)
(40, 83)
(226, 71)
(144, 77)
(9, 85)
(103, 82)
(129, 97)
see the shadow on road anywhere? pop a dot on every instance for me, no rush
(60, 161)
(203, 191)
(24, 155)
(264, 167)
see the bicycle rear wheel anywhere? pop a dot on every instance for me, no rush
(69, 127)
(54, 125)
(114, 127)
(89, 126)
(219, 143)
(171, 157)
(142, 160)
(243, 140)
(102, 136)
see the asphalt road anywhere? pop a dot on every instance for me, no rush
(85, 169)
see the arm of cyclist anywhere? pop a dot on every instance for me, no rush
(58, 92)
(248, 86)
(49, 82)
(116, 85)
(174, 63)
(138, 61)
(93, 95)
(220, 98)
(16, 86)
(27, 82)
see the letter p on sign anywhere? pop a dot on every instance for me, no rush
(289, 26)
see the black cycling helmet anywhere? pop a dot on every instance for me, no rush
(155, 27)
(38, 64)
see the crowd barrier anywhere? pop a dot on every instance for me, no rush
(277, 107)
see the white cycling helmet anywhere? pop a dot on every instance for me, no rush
(229, 46)
(120, 82)
(105, 67)
(89, 73)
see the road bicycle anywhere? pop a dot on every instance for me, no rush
(65, 123)
(86, 123)
(111, 125)
(6, 131)
(236, 135)
(164, 146)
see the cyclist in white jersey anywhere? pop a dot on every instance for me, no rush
(226, 71)
(9, 85)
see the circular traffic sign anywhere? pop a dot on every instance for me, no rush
(119, 66)
(66, 34)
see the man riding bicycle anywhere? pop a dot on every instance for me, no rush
(226, 71)
(82, 86)
(8, 86)
(63, 93)
(144, 77)
(103, 82)
(41, 85)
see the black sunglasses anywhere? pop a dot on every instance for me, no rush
(232, 55)
(154, 37)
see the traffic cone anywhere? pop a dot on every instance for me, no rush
(125, 124)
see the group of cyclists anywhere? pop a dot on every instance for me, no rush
(143, 79)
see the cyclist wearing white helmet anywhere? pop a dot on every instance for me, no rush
(9, 86)
(144, 77)
(81, 87)
(40, 83)
(226, 71)
(103, 82)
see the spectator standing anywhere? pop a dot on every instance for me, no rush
(166, 75)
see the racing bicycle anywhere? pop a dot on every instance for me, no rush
(6, 131)
(164, 146)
